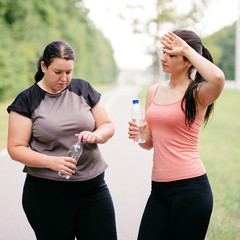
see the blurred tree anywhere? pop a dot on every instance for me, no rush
(222, 46)
(164, 15)
(27, 26)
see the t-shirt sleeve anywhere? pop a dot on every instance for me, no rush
(85, 89)
(93, 96)
(20, 105)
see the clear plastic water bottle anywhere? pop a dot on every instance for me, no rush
(137, 117)
(74, 152)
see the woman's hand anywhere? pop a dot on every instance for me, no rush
(133, 129)
(173, 44)
(65, 165)
(89, 137)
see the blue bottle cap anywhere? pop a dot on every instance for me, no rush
(135, 101)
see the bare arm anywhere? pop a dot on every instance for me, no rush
(104, 128)
(19, 134)
(213, 76)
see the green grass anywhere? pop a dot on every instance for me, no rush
(219, 147)
(4, 123)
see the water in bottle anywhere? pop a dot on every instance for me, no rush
(74, 152)
(137, 117)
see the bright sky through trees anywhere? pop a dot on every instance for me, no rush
(129, 48)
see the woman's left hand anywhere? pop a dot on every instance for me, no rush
(89, 137)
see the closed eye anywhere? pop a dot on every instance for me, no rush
(171, 56)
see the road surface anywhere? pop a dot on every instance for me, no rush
(128, 176)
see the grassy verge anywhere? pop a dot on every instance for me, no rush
(219, 147)
(3, 123)
(220, 152)
(105, 87)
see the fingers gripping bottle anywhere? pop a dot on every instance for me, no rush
(74, 152)
(137, 117)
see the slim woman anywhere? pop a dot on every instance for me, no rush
(44, 121)
(180, 204)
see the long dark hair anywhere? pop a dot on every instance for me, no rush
(191, 95)
(57, 49)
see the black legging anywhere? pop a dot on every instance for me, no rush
(65, 210)
(178, 210)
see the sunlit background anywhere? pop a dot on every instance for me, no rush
(129, 48)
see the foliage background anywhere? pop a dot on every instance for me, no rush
(222, 47)
(27, 26)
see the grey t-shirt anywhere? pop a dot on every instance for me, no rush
(56, 118)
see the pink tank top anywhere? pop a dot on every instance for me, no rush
(176, 154)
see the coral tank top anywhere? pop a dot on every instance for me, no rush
(176, 154)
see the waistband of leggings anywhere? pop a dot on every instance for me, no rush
(202, 178)
(81, 186)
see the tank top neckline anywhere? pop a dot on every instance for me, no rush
(169, 104)
(166, 104)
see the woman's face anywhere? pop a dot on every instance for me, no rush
(174, 64)
(58, 74)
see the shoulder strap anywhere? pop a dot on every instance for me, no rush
(156, 90)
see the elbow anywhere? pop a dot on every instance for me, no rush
(220, 79)
(10, 152)
(15, 150)
(112, 129)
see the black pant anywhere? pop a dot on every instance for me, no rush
(65, 210)
(178, 210)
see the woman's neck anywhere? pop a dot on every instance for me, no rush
(44, 86)
(179, 81)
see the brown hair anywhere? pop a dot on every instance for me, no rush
(57, 49)
(191, 94)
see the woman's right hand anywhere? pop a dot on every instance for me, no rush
(133, 129)
(64, 165)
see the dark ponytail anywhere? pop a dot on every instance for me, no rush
(190, 97)
(57, 49)
(39, 74)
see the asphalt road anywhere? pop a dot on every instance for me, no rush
(13, 223)
(128, 176)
